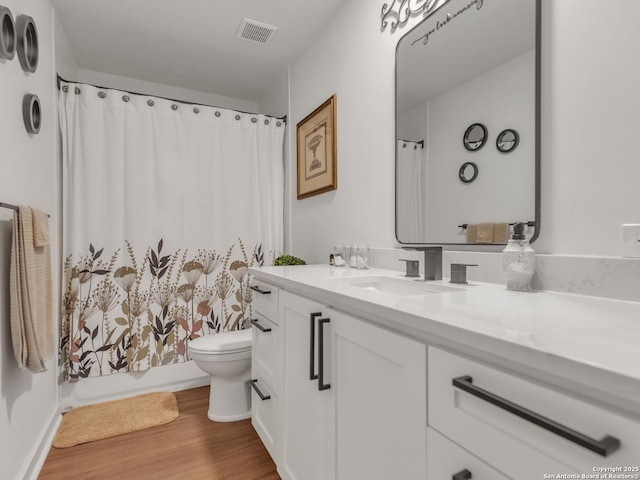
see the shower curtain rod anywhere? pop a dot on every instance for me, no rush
(60, 79)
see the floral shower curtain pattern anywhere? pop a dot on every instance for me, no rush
(165, 207)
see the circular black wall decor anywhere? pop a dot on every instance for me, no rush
(468, 172)
(31, 113)
(507, 140)
(27, 43)
(7, 34)
(475, 136)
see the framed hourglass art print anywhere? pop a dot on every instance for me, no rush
(317, 151)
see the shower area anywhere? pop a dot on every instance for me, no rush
(165, 205)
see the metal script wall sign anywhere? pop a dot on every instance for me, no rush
(441, 24)
(398, 12)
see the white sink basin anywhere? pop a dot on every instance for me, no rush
(396, 286)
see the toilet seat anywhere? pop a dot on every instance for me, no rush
(223, 343)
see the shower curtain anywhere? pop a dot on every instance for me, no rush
(411, 193)
(165, 206)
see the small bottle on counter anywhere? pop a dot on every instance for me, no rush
(519, 261)
(353, 256)
(339, 256)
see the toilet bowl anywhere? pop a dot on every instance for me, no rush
(226, 357)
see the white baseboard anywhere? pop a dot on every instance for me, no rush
(42, 450)
(169, 378)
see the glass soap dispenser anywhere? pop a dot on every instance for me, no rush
(519, 261)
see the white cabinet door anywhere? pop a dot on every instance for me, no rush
(264, 414)
(307, 414)
(379, 386)
(446, 460)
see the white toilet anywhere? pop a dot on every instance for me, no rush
(227, 358)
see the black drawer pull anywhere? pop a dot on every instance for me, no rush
(463, 475)
(262, 396)
(255, 288)
(254, 321)
(321, 384)
(602, 447)
(312, 347)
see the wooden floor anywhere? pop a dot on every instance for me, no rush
(190, 447)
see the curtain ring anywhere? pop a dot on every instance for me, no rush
(151, 103)
(254, 120)
(237, 117)
(125, 98)
(102, 94)
(278, 124)
(266, 122)
(196, 110)
(174, 107)
(77, 90)
(65, 88)
(218, 114)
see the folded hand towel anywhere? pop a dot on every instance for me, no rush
(485, 233)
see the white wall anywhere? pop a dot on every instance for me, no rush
(354, 60)
(590, 101)
(28, 402)
(590, 105)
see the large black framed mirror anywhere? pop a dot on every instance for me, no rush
(468, 62)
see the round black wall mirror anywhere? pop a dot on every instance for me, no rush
(7, 34)
(27, 43)
(31, 113)
(507, 140)
(475, 136)
(468, 172)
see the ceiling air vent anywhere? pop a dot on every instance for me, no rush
(254, 31)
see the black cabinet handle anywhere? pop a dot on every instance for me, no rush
(262, 396)
(602, 447)
(321, 384)
(254, 321)
(312, 348)
(255, 288)
(462, 475)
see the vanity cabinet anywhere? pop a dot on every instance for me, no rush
(265, 369)
(475, 405)
(353, 397)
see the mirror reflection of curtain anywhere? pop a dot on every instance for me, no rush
(166, 205)
(411, 193)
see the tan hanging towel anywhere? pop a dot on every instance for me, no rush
(496, 233)
(31, 290)
(500, 233)
(485, 233)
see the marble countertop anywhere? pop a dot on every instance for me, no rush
(587, 345)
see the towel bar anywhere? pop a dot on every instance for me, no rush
(13, 207)
(530, 223)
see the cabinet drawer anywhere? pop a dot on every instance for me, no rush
(447, 460)
(265, 300)
(264, 414)
(264, 360)
(516, 446)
